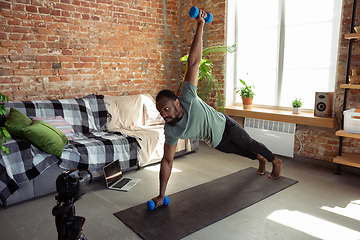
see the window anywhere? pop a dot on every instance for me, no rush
(286, 49)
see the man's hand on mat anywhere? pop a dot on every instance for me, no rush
(158, 201)
(276, 168)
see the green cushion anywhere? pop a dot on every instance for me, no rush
(15, 122)
(46, 137)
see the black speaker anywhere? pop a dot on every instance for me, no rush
(323, 104)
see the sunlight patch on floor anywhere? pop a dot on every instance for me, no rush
(156, 168)
(313, 226)
(352, 210)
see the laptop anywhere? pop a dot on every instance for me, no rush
(114, 178)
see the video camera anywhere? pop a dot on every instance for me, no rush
(70, 185)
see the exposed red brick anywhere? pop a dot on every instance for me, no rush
(15, 36)
(55, 12)
(35, 65)
(89, 59)
(5, 5)
(68, 58)
(17, 79)
(47, 58)
(7, 44)
(67, 52)
(28, 37)
(95, 18)
(18, 7)
(37, 45)
(31, 9)
(28, 72)
(46, 65)
(13, 29)
(3, 35)
(23, 65)
(44, 10)
(14, 22)
(65, 7)
(54, 79)
(85, 16)
(48, 72)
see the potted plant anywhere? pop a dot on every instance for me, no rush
(4, 134)
(207, 82)
(247, 94)
(296, 104)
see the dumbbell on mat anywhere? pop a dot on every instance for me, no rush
(194, 12)
(151, 204)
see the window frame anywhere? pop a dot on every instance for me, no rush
(231, 38)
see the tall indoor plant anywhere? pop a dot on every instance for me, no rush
(207, 81)
(247, 94)
(4, 134)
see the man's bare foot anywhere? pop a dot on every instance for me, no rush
(276, 168)
(262, 163)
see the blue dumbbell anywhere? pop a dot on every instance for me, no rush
(151, 205)
(194, 12)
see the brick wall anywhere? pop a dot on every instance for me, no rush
(70, 48)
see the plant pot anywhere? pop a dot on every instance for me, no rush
(296, 110)
(247, 103)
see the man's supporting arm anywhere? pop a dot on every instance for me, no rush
(165, 172)
(196, 49)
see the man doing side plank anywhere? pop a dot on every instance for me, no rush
(188, 117)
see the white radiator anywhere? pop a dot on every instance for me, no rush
(279, 137)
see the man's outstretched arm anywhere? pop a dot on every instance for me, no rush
(196, 49)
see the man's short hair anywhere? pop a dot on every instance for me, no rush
(166, 93)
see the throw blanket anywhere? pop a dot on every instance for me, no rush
(92, 148)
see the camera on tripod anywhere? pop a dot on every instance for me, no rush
(70, 185)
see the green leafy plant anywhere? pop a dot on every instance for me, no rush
(207, 80)
(4, 134)
(297, 103)
(245, 91)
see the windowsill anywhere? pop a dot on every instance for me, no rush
(303, 118)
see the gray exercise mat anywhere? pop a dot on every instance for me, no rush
(195, 208)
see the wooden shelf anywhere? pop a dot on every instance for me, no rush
(282, 116)
(352, 36)
(353, 86)
(349, 159)
(342, 133)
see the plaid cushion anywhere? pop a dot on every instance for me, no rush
(60, 124)
(99, 110)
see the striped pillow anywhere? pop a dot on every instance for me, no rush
(60, 124)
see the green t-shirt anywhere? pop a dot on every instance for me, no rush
(200, 121)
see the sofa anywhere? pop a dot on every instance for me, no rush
(98, 131)
(136, 115)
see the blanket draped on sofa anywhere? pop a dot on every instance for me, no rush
(92, 148)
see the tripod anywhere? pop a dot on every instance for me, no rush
(69, 226)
